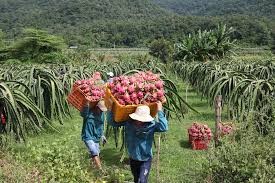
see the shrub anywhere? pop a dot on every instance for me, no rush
(61, 161)
(250, 158)
(35, 45)
(53, 58)
(161, 49)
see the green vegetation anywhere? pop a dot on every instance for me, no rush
(161, 49)
(1, 39)
(33, 96)
(273, 46)
(205, 45)
(246, 88)
(121, 23)
(58, 155)
(61, 156)
(245, 157)
(255, 8)
(36, 45)
(40, 135)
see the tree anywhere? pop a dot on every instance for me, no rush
(161, 49)
(3, 50)
(273, 43)
(36, 45)
(1, 39)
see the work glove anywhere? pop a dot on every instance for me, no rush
(103, 140)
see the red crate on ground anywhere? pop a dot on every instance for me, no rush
(190, 138)
(199, 136)
(198, 144)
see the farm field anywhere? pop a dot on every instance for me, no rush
(75, 74)
(119, 51)
(40, 132)
(53, 153)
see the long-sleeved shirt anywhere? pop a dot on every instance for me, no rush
(93, 125)
(139, 140)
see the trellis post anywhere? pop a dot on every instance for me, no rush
(218, 112)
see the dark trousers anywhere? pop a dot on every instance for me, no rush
(140, 170)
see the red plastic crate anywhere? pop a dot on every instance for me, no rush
(77, 99)
(190, 138)
(199, 144)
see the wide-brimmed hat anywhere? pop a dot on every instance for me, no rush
(101, 105)
(142, 114)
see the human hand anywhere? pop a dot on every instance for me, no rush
(103, 140)
(163, 100)
(159, 106)
(89, 99)
(144, 103)
(111, 103)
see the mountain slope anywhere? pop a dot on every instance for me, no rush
(40, 12)
(122, 23)
(265, 8)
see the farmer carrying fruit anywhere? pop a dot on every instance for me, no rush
(92, 130)
(139, 131)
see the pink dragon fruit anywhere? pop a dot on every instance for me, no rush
(131, 88)
(91, 88)
(136, 87)
(159, 84)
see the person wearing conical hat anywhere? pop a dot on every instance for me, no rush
(92, 130)
(139, 132)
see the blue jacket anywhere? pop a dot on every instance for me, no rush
(93, 125)
(139, 141)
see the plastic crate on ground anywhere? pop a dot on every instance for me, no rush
(199, 144)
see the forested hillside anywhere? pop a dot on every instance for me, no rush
(76, 19)
(122, 23)
(72, 13)
(264, 8)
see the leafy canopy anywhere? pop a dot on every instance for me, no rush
(161, 49)
(35, 45)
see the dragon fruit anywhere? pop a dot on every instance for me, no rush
(226, 128)
(199, 131)
(92, 88)
(141, 87)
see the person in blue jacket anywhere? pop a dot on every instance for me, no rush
(139, 131)
(92, 130)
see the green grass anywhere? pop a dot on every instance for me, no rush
(253, 57)
(120, 51)
(62, 156)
